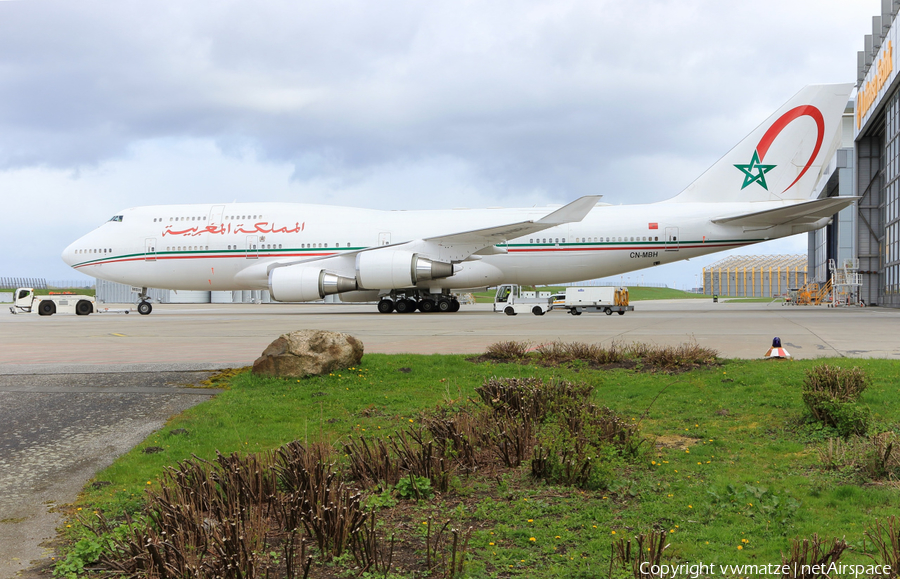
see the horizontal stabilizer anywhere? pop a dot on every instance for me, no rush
(798, 213)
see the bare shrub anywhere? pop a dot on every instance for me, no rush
(371, 461)
(509, 350)
(648, 548)
(810, 558)
(836, 454)
(553, 353)
(686, 355)
(885, 536)
(530, 398)
(875, 457)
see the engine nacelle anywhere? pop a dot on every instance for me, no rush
(391, 269)
(306, 284)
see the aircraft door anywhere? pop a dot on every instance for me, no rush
(150, 249)
(252, 247)
(671, 239)
(384, 238)
(215, 215)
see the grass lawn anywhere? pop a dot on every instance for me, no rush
(79, 290)
(730, 470)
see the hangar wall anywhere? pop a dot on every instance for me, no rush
(877, 160)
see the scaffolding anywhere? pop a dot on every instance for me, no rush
(845, 282)
(755, 275)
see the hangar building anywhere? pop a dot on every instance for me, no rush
(867, 236)
(755, 275)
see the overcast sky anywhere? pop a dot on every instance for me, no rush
(390, 104)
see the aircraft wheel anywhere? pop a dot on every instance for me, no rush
(83, 308)
(144, 308)
(402, 306)
(444, 305)
(536, 310)
(608, 311)
(46, 308)
(509, 311)
(427, 305)
(385, 306)
(454, 305)
(622, 313)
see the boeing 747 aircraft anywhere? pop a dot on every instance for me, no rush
(415, 260)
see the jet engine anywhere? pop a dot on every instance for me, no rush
(305, 284)
(397, 269)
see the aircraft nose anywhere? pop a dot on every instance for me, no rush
(68, 255)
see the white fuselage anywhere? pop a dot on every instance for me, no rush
(205, 247)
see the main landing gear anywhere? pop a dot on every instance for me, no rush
(144, 307)
(407, 303)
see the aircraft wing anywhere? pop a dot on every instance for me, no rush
(574, 211)
(453, 247)
(805, 212)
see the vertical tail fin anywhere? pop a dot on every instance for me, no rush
(784, 157)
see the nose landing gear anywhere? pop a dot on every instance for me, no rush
(144, 307)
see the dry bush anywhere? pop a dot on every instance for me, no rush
(686, 355)
(875, 457)
(388, 460)
(809, 555)
(553, 353)
(461, 435)
(531, 398)
(509, 350)
(838, 384)
(241, 517)
(648, 548)
(371, 462)
(885, 536)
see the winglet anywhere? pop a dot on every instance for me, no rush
(574, 211)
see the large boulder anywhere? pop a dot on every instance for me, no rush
(309, 353)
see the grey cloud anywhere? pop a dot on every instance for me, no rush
(548, 96)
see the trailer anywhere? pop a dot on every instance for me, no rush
(511, 300)
(26, 302)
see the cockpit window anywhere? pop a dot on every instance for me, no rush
(116, 218)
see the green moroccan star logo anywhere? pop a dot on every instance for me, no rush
(755, 172)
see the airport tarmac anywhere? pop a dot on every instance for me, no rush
(77, 391)
(191, 337)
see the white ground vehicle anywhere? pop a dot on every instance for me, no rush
(27, 302)
(510, 300)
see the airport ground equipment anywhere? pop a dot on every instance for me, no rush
(841, 290)
(27, 302)
(845, 283)
(511, 300)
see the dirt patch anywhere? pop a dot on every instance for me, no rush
(675, 441)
